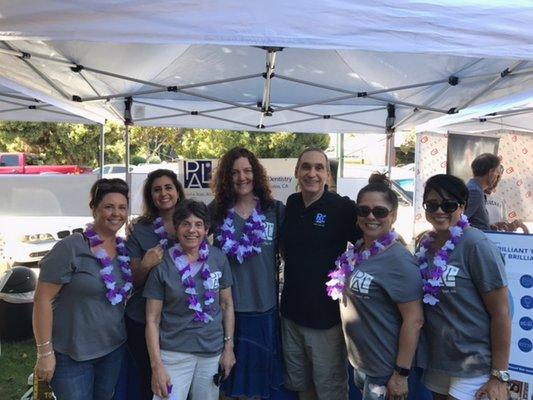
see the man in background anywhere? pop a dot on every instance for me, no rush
(487, 172)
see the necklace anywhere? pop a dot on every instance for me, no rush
(181, 260)
(253, 235)
(432, 277)
(161, 232)
(114, 294)
(348, 261)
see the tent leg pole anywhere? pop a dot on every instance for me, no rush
(127, 153)
(340, 147)
(390, 152)
(102, 150)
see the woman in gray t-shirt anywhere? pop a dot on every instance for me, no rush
(380, 290)
(149, 237)
(79, 302)
(466, 308)
(189, 312)
(245, 227)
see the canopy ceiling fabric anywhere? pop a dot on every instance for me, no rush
(510, 113)
(16, 106)
(195, 64)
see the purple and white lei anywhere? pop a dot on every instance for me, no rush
(432, 277)
(253, 235)
(348, 261)
(114, 294)
(161, 232)
(181, 260)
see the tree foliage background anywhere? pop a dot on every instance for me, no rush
(78, 144)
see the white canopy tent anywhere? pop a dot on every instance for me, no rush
(336, 66)
(511, 113)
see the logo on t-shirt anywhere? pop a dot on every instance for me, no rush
(213, 282)
(360, 282)
(448, 277)
(320, 219)
(269, 231)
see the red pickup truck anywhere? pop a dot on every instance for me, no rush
(23, 163)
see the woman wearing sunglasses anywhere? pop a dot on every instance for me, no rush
(78, 317)
(465, 300)
(380, 289)
(151, 235)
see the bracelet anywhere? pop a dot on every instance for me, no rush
(48, 354)
(227, 339)
(43, 343)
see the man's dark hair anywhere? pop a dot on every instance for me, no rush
(483, 163)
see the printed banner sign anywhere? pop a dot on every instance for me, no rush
(518, 252)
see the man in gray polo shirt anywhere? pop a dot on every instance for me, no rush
(487, 172)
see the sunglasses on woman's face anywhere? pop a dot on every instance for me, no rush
(378, 211)
(448, 206)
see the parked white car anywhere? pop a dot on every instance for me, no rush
(37, 211)
(113, 171)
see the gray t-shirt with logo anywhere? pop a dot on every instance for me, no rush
(254, 281)
(86, 325)
(370, 317)
(458, 326)
(178, 331)
(142, 239)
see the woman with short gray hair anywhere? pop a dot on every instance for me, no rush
(189, 312)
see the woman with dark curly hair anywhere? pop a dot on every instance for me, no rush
(150, 236)
(245, 225)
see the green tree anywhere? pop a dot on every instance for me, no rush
(61, 143)
(206, 143)
(406, 155)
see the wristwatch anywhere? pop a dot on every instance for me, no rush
(502, 376)
(401, 371)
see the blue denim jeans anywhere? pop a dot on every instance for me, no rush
(372, 387)
(87, 380)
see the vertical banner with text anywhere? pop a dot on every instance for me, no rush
(518, 252)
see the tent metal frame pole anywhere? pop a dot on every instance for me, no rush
(23, 57)
(13, 109)
(222, 101)
(313, 103)
(390, 151)
(507, 125)
(13, 103)
(167, 88)
(416, 110)
(340, 147)
(354, 93)
(14, 96)
(182, 114)
(269, 73)
(121, 95)
(405, 103)
(101, 159)
(187, 111)
(219, 81)
(339, 114)
(505, 73)
(127, 158)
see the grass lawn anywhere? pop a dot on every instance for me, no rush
(17, 361)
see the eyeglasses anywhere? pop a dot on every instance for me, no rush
(448, 206)
(378, 211)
